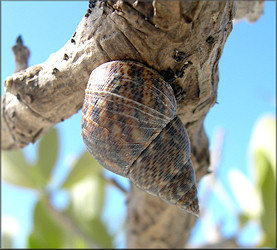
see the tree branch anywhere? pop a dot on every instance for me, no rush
(182, 40)
(21, 55)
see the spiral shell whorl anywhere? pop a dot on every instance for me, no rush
(164, 168)
(126, 106)
(129, 125)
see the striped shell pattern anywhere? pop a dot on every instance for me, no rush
(129, 125)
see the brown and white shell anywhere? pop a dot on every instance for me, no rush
(130, 126)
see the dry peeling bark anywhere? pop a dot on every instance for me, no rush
(182, 40)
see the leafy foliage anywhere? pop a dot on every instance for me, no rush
(46, 231)
(268, 193)
(47, 154)
(79, 225)
(263, 147)
(16, 171)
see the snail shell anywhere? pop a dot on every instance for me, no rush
(130, 126)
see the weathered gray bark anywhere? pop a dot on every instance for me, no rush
(182, 40)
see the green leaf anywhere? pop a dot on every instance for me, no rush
(85, 165)
(87, 201)
(268, 191)
(94, 228)
(260, 167)
(87, 197)
(47, 154)
(87, 204)
(73, 241)
(263, 148)
(16, 171)
(46, 231)
(264, 140)
(98, 232)
(56, 229)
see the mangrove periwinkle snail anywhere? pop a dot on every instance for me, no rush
(130, 126)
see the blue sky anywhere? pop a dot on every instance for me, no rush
(247, 90)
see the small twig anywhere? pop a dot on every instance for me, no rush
(21, 55)
(116, 184)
